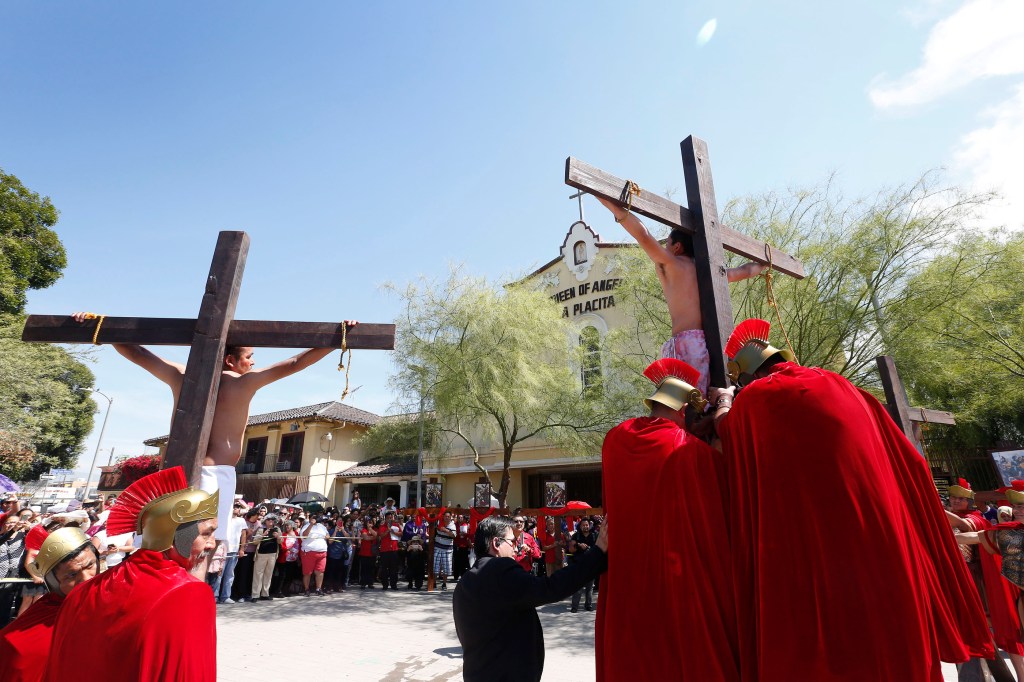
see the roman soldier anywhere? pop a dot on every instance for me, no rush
(149, 609)
(834, 578)
(63, 559)
(681, 623)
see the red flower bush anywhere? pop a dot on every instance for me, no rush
(135, 468)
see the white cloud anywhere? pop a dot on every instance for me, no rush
(992, 158)
(984, 38)
(706, 31)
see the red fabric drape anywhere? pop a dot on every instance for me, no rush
(666, 609)
(840, 545)
(476, 517)
(25, 642)
(145, 619)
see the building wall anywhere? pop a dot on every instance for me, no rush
(322, 460)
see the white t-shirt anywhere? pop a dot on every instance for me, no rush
(235, 527)
(315, 538)
(114, 558)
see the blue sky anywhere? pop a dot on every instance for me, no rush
(361, 143)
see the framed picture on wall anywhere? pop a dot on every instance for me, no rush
(1010, 464)
(554, 494)
(432, 495)
(482, 495)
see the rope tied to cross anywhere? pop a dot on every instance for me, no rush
(342, 365)
(99, 323)
(632, 190)
(772, 301)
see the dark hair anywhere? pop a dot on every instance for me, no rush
(488, 529)
(251, 514)
(677, 236)
(235, 351)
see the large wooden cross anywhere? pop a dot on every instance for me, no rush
(709, 238)
(899, 407)
(208, 334)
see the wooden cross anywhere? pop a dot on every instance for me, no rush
(709, 238)
(899, 407)
(208, 335)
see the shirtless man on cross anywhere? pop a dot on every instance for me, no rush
(678, 276)
(239, 381)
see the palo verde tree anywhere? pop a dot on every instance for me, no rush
(967, 356)
(498, 365)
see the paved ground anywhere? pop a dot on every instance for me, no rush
(375, 635)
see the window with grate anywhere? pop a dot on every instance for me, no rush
(590, 368)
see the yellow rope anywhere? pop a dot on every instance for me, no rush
(341, 360)
(99, 323)
(632, 190)
(772, 302)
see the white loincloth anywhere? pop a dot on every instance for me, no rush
(222, 478)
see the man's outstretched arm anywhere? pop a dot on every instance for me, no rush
(166, 371)
(654, 250)
(746, 271)
(279, 370)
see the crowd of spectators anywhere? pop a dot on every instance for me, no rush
(278, 550)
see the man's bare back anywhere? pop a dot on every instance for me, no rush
(676, 271)
(239, 382)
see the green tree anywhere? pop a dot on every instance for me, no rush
(31, 255)
(45, 415)
(967, 356)
(497, 365)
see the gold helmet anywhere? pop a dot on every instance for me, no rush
(1014, 492)
(748, 348)
(962, 489)
(156, 505)
(675, 381)
(56, 547)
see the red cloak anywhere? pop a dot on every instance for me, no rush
(666, 609)
(844, 564)
(25, 642)
(1000, 595)
(145, 619)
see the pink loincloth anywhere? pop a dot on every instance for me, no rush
(690, 347)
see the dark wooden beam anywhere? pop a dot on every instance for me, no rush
(590, 179)
(178, 331)
(926, 416)
(708, 256)
(896, 396)
(197, 401)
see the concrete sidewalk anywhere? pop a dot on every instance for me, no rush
(376, 635)
(382, 635)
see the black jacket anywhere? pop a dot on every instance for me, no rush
(496, 618)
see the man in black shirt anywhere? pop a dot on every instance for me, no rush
(495, 604)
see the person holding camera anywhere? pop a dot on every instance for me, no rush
(495, 603)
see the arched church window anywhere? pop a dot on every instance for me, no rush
(579, 252)
(590, 367)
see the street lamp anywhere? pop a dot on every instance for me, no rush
(95, 454)
(419, 458)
